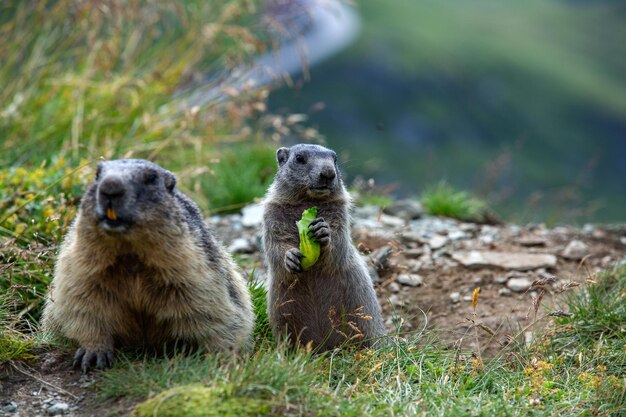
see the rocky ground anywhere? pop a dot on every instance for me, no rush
(425, 270)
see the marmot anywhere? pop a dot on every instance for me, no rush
(139, 267)
(333, 302)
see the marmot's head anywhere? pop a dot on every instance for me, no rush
(129, 192)
(310, 170)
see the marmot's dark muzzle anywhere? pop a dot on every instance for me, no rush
(112, 202)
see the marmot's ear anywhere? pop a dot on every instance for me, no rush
(170, 180)
(281, 156)
(98, 171)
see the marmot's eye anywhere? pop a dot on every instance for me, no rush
(300, 159)
(150, 178)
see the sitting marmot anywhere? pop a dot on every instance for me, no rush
(139, 267)
(334, 301)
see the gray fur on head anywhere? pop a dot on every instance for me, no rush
(133, 189)
(307, 171)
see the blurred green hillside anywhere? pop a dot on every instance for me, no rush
(523, 102)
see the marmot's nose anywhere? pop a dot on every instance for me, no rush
(327, 174)
(112, 187)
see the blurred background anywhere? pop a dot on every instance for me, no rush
(523, 103)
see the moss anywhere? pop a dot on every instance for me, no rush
(200, 401)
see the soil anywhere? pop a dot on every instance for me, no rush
(49, 379)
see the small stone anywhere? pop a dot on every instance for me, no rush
(501, 279)
(58, 408)
(622, 240)
(412, 280)
(467, 298)
(504, 292)
(252, 215)
(406, 209)
(477, 280)
(393, 287)
(532, 240)
(395, 300)
(575, 250)
(391, 221)
(520, 261)
(413, 253)
(411, 237)
(455, 297)
(437, 242)
(8, 407)
(519, 284)
(457, 235)
(588, 229)
(371, 270)
(380, 257)
(241, 245)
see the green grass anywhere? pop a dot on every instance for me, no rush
(442, 199)
(575, 367)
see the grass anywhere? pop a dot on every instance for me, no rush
(442, 199)
(576, 366)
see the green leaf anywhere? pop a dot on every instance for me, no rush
(309, 248)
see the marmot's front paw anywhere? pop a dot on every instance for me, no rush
(292, 261)
(320, 231)
(85, 358)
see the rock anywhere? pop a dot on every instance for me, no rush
(622, 240)
(575, 250)
(391, 221)
(520, 261)
(406, 209)
(455, 297)
(393, 287)
(57, 409)
(412, 280)
(504, 292)
(241, 245)
(8, 407)
(366, 212)
(437, 242)
(252, 215)
(520, 284)
(532, 240)
(412, 237)
(380, 257)
(371, 270)
(501, 279)
(394, 300)
(457, 235)
(413, 253)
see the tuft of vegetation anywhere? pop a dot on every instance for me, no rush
(442, 199)
(200, 401)
(262, 331)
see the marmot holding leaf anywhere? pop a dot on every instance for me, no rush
(325, 302)
(140, 268)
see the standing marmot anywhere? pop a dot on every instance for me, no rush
(139, 267)
(330, 303)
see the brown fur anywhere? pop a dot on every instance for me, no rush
(165, 280)
(334, 302)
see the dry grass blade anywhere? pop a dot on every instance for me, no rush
(559, 313)
(544, 279)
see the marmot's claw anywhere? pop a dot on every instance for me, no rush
(320, 231)
(85, 358)
(292, 261)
